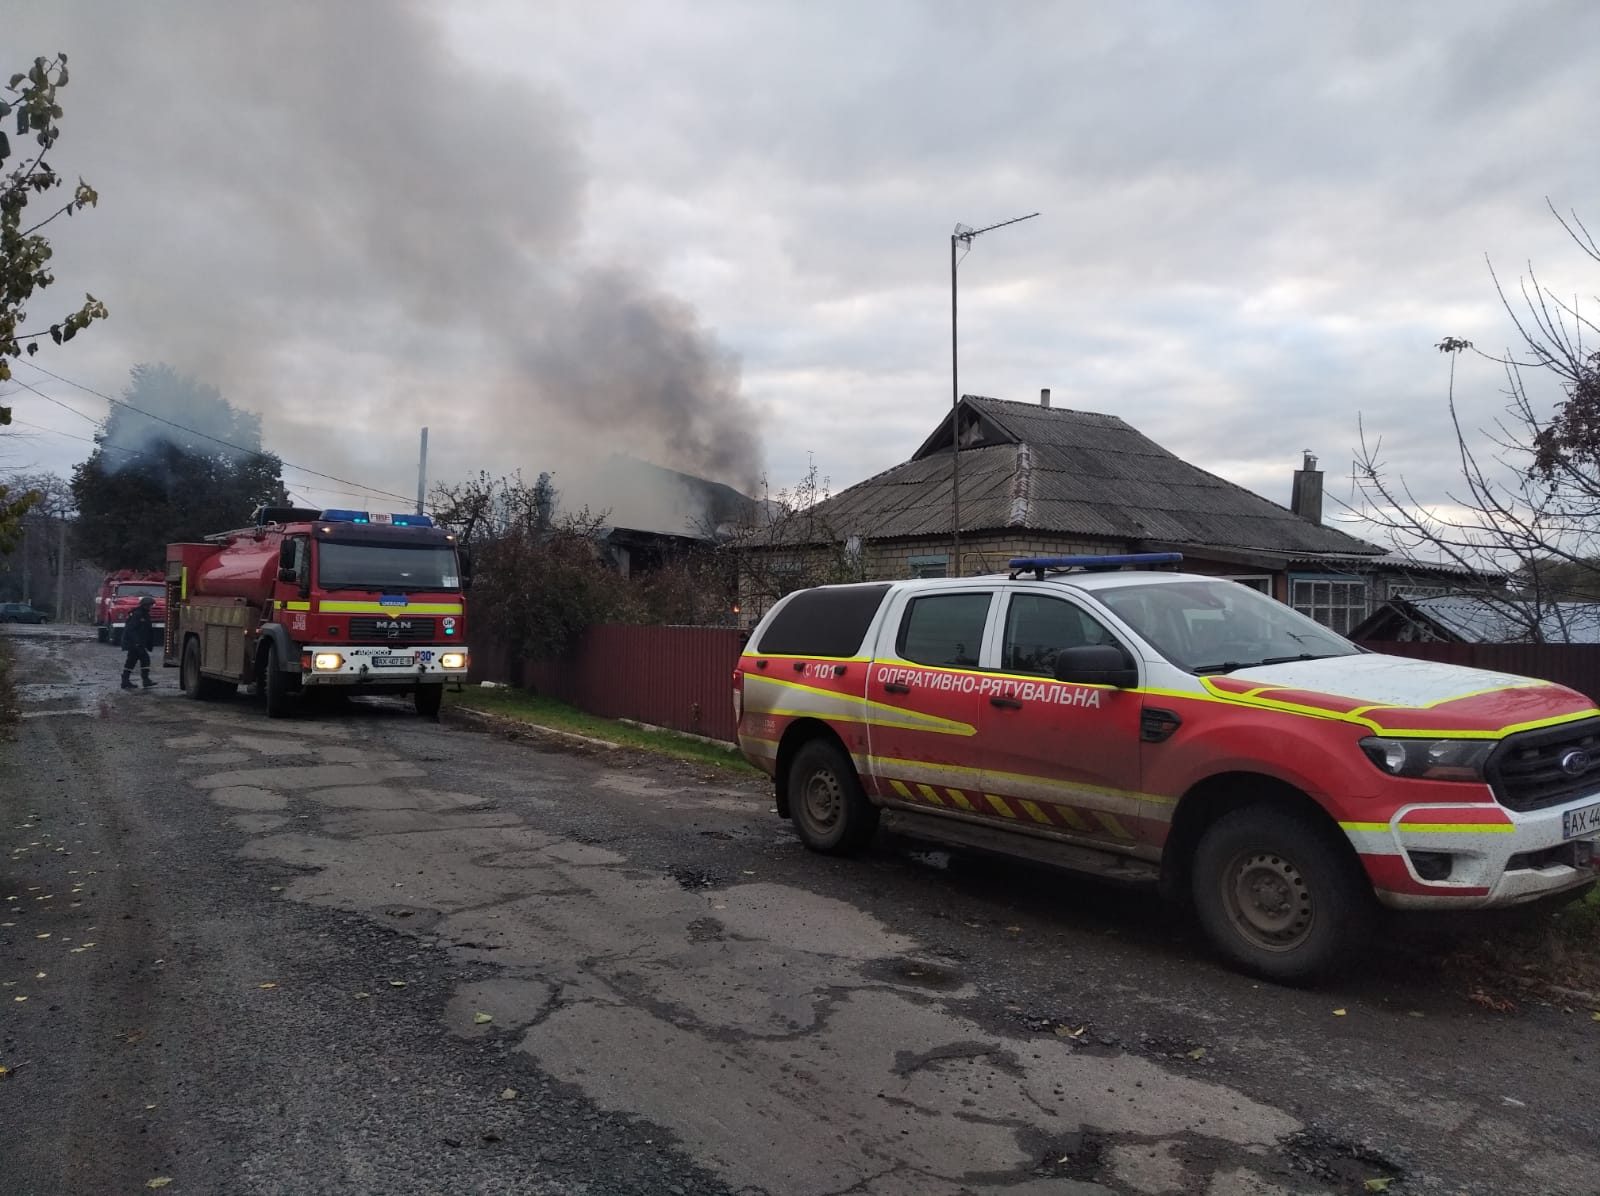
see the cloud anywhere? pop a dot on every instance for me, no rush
(1257, 220)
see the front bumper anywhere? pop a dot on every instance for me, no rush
(1497, 857)
(358, 666)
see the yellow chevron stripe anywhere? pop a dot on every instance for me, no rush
(901, 790)
(1033, 811)
(960, 799)
(999, 806)
(929, 792)
(1109, 821)
(1072, 818)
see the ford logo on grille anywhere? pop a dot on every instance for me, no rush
(1575, 763)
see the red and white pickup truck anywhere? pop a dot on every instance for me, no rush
(1179, 728)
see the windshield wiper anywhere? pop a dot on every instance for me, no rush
(1302, 656)
(1226, 666)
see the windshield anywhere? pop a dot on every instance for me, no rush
(373, 567)
(1219, 626)
(146, 591)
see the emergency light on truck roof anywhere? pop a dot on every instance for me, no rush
(377, 518)
(1040, 565)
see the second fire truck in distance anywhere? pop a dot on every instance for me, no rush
(319, 600)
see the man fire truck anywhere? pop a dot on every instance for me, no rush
(119, 595)
(330, 601)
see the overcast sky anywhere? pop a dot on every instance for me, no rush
(717, 234)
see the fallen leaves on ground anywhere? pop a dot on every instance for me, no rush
(159, 1181)
(482, 1019)
(268, 984)
(1491, 1002)
(1377, 1185)
(507, 1094)
(1339, 1013)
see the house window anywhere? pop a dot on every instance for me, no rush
(1338, 603)
(929, 566)
(1261, 583)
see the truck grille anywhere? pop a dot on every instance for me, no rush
(403, 629)
(1527, 769)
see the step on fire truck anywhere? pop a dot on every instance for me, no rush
(308, 601)
(119, 594)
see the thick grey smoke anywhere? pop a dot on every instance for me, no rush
(318, 207)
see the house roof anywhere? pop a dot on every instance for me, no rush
(1078, 473)
(1480, 621)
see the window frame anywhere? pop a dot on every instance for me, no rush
(1354, 615)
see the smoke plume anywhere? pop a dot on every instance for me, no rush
(321, 209)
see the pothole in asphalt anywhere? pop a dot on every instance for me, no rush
(1337, 1160)
(917, 972)
(705, 930)
(1079, 1156)
(695, 878)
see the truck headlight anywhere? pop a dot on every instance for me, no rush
(1429, 759)
(453, 660)
(327, 661)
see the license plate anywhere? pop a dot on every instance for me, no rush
(1579, 823)
(393, 662)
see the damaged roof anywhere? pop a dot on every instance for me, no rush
(1031, 468)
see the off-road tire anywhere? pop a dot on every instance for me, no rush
(103, 634)
(1281, 895)
(428, 699)
(274, 685)
(831, 813)
(193, 682)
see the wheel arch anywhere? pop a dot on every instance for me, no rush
(795, 736)
(1216, 796)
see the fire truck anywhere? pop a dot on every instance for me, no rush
(119, 594)
(319, 601)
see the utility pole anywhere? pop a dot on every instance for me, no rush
(61, 573)
(422, 472)
(962, 235)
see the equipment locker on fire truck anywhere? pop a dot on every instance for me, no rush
(1177, 728)
(320, 600)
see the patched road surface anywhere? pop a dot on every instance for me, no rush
(356, 951)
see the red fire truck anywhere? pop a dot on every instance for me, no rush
(120, 593)
(319, 601)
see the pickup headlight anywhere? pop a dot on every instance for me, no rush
(1430, 759)
(453, 660)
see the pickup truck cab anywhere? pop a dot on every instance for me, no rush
(1177, 728)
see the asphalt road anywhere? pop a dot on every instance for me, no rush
(358, 952)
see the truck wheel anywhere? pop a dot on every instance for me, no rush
(428, 699)
(104, 634)
(1280, 896)
(831, 813)
(275, 685)
(116, 638)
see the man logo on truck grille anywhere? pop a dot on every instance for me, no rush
(1575, 763)
(392, 628)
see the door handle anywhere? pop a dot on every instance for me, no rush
(894, 687)
(1006, 703)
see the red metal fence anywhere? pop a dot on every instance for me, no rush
(678, 677)
(681, 677)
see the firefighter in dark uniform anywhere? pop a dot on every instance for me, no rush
(136, 633)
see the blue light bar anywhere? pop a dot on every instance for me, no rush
(408, 520)
(1094, 564)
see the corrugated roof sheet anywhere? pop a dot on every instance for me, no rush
(1479, 621)
(1075, 473)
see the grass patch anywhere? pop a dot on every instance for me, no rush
(547, 712)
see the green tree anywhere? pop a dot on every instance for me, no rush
(24, 251)
(174, 461)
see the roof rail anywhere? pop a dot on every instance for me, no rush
(1040, 565)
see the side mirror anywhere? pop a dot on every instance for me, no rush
(288, 575)
(1096, 664)
(464, 563)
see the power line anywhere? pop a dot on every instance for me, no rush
(239, 448)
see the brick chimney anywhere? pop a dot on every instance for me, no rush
(1306, 501)
(1044, 397)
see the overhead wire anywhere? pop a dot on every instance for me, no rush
(239, 448)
